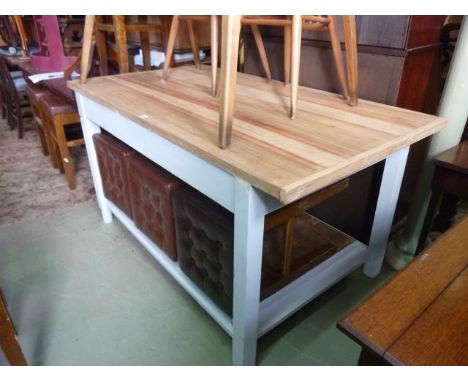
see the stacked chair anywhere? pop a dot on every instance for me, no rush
(14, 103)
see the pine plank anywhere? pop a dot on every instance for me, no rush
(326, 142)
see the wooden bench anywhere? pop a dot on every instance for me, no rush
(420, 317)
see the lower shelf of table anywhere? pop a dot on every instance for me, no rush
(278, 306)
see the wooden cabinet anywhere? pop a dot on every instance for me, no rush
(399, 64)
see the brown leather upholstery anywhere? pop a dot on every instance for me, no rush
(112, 157)
(53, 105)
(205, 246)
(151, 189)
(204, 232)
(35, 93)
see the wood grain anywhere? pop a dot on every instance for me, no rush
(385, 317)
(288, 159)
(440, 334)
(8, 339)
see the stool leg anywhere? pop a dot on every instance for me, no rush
(145, 44)
(193, 43)
(287, 54)
(296, 32)
(229, 51)
(37, 121)
(47, 133)
(65, 157)
(86, 52)
(40, 130)
(170, 45)
(101, 47)
(349, 23)
(261, 50)
(121, 43)
(336, 48)
(8, 340)
(214, 53)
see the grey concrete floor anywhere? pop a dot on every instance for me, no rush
(81, 292)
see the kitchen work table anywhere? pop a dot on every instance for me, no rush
(271, 162)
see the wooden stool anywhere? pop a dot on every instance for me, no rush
(35, 93)
(8, 340)
(94, 25)
(230, 46)
(63, 124)
(294, 242)
(451, 177)
(189, 20)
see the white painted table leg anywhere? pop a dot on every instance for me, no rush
(89, 129)
(248, 245)
(385, 209)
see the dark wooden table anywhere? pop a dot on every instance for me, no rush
(450, 178)
(420, 317)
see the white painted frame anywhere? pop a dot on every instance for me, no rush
(251, 318)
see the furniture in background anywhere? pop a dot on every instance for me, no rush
(62, 122)
(229, 49)
(189, 21)
(402, 55)
(35, 93)
(13, 96)
(450, 177)
(270, 164)
(51, 55)
(420, 317)
(8, 339)
(22, 35)
(118, 53)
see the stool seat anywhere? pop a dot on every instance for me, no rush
(54, 105)
(35, 93)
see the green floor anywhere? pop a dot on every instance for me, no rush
(81, 292)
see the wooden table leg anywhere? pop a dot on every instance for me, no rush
(229, 51)
(8, 340)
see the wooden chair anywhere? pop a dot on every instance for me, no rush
(8, 339)
(230, 45)
(14, 102)
(189, 20)
(18, 22)
(62, 121)
(95, 26)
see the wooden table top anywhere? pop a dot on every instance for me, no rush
(420, 317)
(287, 159)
